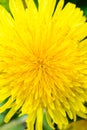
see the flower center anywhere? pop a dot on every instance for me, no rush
(40, 63)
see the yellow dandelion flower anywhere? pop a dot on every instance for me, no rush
(43, 61)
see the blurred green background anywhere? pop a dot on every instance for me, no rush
(18, 123)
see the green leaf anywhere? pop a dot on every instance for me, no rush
(5, 3)
(45, 124)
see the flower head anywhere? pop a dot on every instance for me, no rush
(43, 61)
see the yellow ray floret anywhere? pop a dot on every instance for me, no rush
(43, 62)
